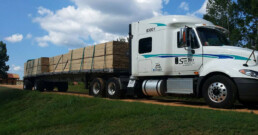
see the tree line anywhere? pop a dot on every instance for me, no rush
(240, 17)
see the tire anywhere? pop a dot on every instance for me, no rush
(97, 87)
(62, 86)
(219, 92)
(27, 85)
(39, 86)
(49, 86)
(114, 88)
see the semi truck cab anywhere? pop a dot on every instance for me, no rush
(188, 55)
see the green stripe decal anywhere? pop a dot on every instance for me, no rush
(159, 24)
(218, 56)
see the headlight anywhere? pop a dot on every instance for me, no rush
(249, 72)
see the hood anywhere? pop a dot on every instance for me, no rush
(230, 52)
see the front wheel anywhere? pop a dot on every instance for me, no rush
(219, 92)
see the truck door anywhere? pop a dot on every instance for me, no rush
(188, 60)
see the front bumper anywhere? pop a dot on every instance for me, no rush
(247, 89)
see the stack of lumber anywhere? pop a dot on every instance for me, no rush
(110, 55)
(36, 66)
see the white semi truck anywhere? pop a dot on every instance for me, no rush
(176, 55)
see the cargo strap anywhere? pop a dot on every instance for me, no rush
(105, 53)
(58, 62)
(93, 54)
(71, 61)
(65, 65)
(82, 62)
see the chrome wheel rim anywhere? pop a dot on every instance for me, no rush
(96, 88)
(217, 92)
(111, 88)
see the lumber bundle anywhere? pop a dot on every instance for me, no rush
(36, 66)
(110, 55)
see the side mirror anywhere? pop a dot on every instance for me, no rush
(183, 37)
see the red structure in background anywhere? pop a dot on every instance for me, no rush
(11, 79)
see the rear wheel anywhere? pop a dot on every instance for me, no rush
(27, 85)
(62, 86)
(49, 86)
(219, 92)
(39, 85)
(97, 87)
(114, 88)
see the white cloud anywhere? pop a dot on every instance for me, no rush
(28, 36)
(200, 11)
(16, 68)
(42, 44)
(96, 20)
(184, 6)
(14, 38)
(44, 11)
(166, 1)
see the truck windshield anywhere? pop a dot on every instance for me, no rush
(211, 37)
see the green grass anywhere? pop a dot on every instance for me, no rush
(31, 112)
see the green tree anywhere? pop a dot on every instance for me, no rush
(239, 17)
(3, 59)
(248, 21)
(223, 13)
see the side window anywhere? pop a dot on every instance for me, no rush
(145, 45)
(194, 42)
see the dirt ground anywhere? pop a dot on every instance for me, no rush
(238, 108)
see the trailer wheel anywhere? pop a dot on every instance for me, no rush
(27, 85)
(39, 85)
(114, 88)
(49, 86)
(219, 92)
(62, 86)
(97, 87)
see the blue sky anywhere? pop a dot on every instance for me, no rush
(46, 28)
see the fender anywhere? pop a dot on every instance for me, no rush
(226, 66)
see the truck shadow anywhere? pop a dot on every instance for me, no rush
(199, 103)
(166, 101)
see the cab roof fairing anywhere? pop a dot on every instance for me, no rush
(175, 20)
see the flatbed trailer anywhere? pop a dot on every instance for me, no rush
(61, 79)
